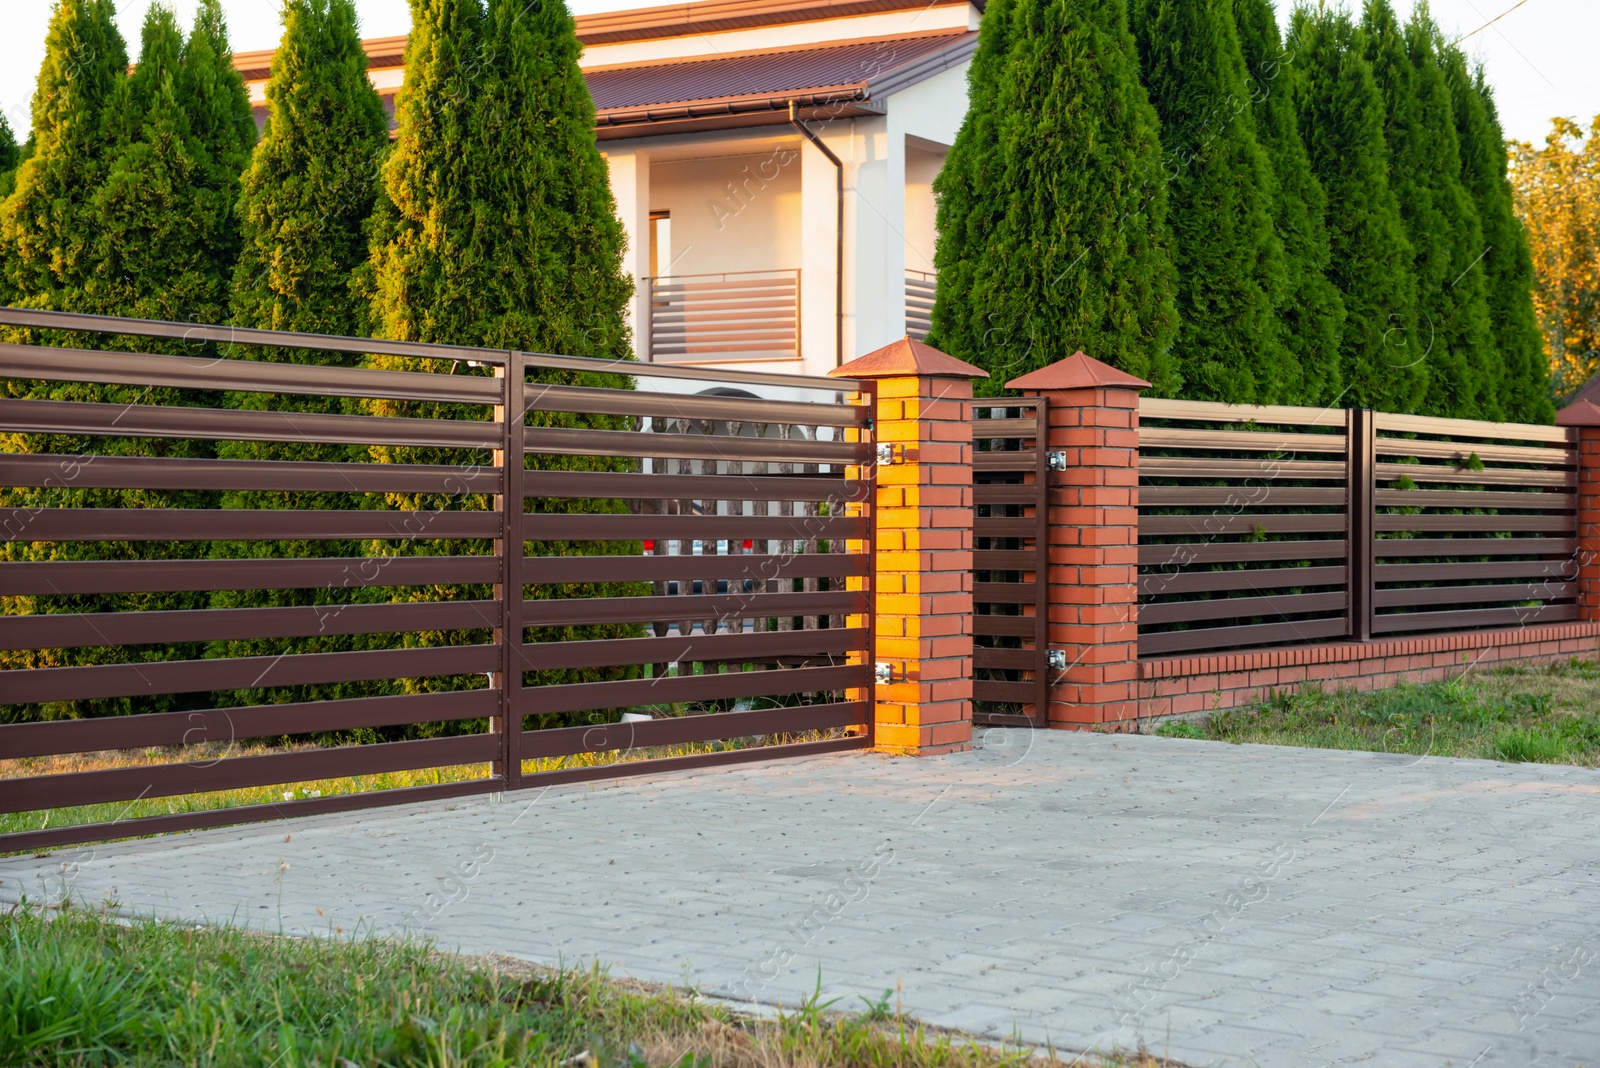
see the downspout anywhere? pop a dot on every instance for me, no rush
(838, 231)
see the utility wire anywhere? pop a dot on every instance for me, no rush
(1491, 22)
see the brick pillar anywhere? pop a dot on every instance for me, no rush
(1585, 416)
(1094, 538)
(922, 568)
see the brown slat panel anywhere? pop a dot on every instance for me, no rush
(563, 569)
(198, 676)
(1555, 524)
(553, 526)
(1193, 467)
(690, 606)
(1005, 659)
(1005, 592)
(1258, 495)
(638, 484)
(151, 472)
(1021, 693)
(1005, 560)
(1005, 493)
(1208, 525)
(237, 724)
(686, 730)
(1239, 552)
(1157, 583)
(1527, 591)
(255, 376)
(1157, 437)
(252, 524)
(1426, 424)
(1025, 460)
(1435, 474)
(1388, 498)
(66, 631)
(54, 837)
(1284, 633)
(153, 421)
(1006, 428)
(1453, 450)
(691, 446)
(753, 647)
(551, 398)
(237, 773)
(687, 689)
(1005, 626)
(1005, 526)
(150, 576)
(1238, 607)
(1476, 617)
(1466, 572)
(1414, 547)
(1216, 412)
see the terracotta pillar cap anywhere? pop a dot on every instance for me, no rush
(1078, 371)
(907, 358)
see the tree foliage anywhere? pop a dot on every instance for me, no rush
(1052, 213)
(1557, 191)
(1230, 263)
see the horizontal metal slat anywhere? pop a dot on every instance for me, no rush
(652, 486)
(993, 493)
(237, 773)
(249, 524)
(1210, 525)
(987, 526)
(1158, 437)
(1261, 494)
(1182, 555)
(226, 725)
(564, 613)
(686, 730)
(1386, 522)
(1005, 560)
(1427, 424)
(751, 647)
(1005, 592)
(1414, 547)
(1240, 607)
(1023, 460)
(988, 429)
(553, 398)
(1461, 450)
(152, 576)
(557, 526)
(167, 472)
(994, 626)
(1155, 584)
(707, 569)
(199, 676)
(1266, 469)
(1217, 412)
(688, 689)
(1474, 617)
(1418, 498)
(1528, 591)
(153, 421)
(1005, 659)
(1480, 570)
(1437, 474)
(691, 446)
(1281, 633)
(1020, 693)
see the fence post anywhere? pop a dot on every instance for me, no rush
(1359, 480)
(922, 560)
(1093, 500)
(1584, 416)
(508, 591)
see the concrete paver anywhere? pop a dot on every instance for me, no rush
(1238, 905)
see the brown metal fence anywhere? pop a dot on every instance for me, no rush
(419, 582)
(1010, 558)
(1279, 525)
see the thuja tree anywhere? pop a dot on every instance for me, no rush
(1230, 264)
(497, 228)
(1342, 123)
(1507, 265)
(307, 194)
(1052, 212)
(1310, 309)
(10, 156)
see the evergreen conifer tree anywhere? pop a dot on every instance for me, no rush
(1229, 260)
(498, 229)
(1342, 121)
(1052, 214)
(1310, 311)
(10, 156)
(306, 198)
(1521, 375)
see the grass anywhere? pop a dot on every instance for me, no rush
(81, 988)
(1545, 714)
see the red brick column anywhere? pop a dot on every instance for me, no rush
(1585, 416)
(1094, 538)
(922, 568)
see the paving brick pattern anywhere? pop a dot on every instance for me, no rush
(1238, 905)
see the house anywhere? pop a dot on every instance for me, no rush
(772, 162)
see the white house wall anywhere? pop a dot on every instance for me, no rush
(730, 213)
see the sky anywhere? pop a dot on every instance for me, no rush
(1539, 53)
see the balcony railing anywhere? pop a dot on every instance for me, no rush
(919, 303)
(701, 318)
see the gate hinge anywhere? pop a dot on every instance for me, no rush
(891, 453)
(1055, 461)
(884, 672)
(1056, 659)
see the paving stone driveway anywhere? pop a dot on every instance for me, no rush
(1221, 904)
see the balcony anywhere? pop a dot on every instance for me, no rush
(707, 318)
(919, 303)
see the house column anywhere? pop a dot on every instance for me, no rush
(820, 212)
(1093, 502)
(1584, 417)
(630, 187)
(922, 560)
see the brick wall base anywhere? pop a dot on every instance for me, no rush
(1179, 685)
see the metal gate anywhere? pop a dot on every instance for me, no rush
(342, 558)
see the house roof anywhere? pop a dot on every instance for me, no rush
(717, 16)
